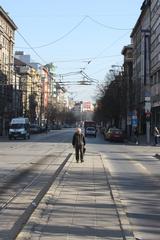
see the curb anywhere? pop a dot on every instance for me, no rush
(121, 213)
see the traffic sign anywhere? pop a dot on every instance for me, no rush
(134, 121)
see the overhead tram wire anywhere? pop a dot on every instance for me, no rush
(75, 27)
(60, 38)
(84, 59)
(106, 26)
(31, 47)
(88, 81)
(108, 47)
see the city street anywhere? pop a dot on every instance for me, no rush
(72, 67)
(27, 168)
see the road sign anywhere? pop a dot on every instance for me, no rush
(147, 107)
(134, 121)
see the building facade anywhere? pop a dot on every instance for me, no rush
(155, 62)
(128, 78)
(140, 38)
(7, 31)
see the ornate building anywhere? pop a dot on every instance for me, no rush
(7, 30)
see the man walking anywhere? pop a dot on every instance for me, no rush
(78, 143)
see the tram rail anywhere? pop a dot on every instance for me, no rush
(30, 185)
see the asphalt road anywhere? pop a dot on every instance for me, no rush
(134, 171)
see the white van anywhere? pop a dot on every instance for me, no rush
(19, 128)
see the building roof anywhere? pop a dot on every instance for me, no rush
(18, 62)
(125, 48)
(145, 5)
(7, 18)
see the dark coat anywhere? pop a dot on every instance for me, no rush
(78, 139)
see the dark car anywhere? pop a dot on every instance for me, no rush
(114, 134)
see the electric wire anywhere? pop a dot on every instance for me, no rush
(89, 60)
(31, 47)
(106, 26)
(84, 59)
(60, 38)
(108, 47)
(75, 27)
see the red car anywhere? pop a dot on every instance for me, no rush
(114, 134)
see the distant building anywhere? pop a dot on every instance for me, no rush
(88, 106)
(78, 109)
(26, 58)
(88, 110)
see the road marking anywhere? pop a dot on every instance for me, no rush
(144, 169)
(139, 165)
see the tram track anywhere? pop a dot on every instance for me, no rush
(20, 171)
(27, 188)
(18, 177)
(9, 177)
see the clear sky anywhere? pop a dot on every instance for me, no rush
(72, 33)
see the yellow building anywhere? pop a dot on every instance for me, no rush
(31, 88)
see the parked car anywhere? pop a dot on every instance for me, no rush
(114, 134)
(35, 128)
(19, 128)
(91, 131)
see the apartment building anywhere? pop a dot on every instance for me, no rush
(7, 31)
(155, 61)
(127, 52)
(140, 38)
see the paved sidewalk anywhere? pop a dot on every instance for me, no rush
(77, 206)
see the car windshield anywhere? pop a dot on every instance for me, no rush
(116, 131)
(17, 126)
(91, 128)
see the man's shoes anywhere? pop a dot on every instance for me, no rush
(77, 161)
(82, 160)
